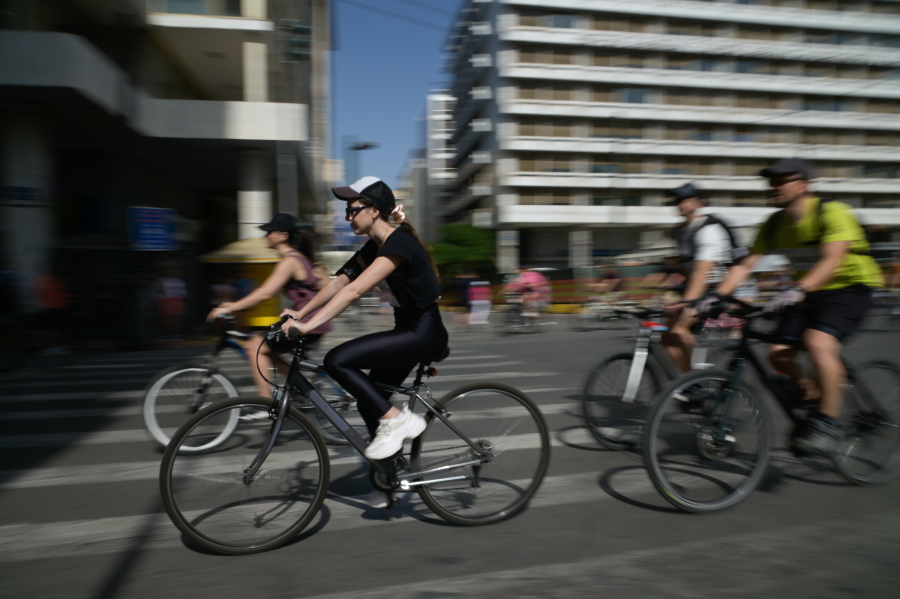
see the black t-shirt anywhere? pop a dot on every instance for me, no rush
(413, 283)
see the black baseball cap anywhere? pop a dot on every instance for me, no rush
(788, 166)
(372, 189)
(280, 222)
(688, 190)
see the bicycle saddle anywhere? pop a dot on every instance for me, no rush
(443, 355)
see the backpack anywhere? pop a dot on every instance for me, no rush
(738, 251)
(771, 228)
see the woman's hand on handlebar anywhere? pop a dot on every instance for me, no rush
(291, 313)
(290, 323)
(220, 310)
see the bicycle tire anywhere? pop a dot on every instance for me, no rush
(614, 424)
(275, 507)
(496, 417)
(341, 401)
(870, 453)
(174, 391)
(688, 466)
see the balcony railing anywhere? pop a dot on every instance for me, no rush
(212, 8)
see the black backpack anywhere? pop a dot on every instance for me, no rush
(738, 251)
(772, 227)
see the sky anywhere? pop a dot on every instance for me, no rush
(382, 69)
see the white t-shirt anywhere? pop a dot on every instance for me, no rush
(709, 243)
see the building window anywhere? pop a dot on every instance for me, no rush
(616, 201)
(635, 95)
(562, 21)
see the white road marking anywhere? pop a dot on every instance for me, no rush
(27, 541)
(145, 470)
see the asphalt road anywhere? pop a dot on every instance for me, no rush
(81, 515)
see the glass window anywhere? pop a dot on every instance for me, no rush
(563, 21)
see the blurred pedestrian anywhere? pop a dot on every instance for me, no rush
(171, 296)
(479, 295)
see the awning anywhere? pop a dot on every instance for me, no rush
(245, 251)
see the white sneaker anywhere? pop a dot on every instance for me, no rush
(377, 499)
(391, 433)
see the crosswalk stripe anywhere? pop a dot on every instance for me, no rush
(138, 410)
(139, 435)
(26, 541)
(129, 394)
(135, 471)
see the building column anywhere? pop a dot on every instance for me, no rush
(254, 193)
(581, 248)
(26, 224)
(508, 250)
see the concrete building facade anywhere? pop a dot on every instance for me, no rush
(218, 110)
(573, 117)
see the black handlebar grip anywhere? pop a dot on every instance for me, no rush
(284, 318)
(293, 333)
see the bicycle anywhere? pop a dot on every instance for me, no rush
(597, 314)
(709, 453)
(516, 318)
(266, 484)
(181, 391)
(620, 388)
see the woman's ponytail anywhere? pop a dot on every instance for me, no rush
(409, 228)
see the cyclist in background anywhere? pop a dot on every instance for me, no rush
(534, 289)
(395, 260)
(294, 276)
(704, 247)
(834, 276)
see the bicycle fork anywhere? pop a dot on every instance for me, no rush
(641, 352)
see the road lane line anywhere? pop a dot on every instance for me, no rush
(28, 541)
(144, 470)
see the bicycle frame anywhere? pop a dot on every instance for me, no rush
(298, 384)
(745, 356)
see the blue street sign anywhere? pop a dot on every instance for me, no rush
(152, 229)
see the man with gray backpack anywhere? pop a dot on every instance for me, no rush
(706, 248)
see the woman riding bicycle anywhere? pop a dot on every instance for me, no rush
(293, 275)
(395, 260)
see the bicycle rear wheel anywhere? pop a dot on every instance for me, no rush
(178, 393)
(509, 426)
(207, 498)
(700, 455)
(870, 453)
(615, 424)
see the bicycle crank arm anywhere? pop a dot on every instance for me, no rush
(405, 485)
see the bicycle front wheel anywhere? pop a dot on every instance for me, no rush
(870, 453)
(208, 496)
(178, 393)
(615, 424)
(709, 452)
(509, 427)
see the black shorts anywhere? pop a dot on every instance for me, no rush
(837, 312)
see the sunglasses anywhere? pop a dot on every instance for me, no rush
(779, 181)
(351, 211)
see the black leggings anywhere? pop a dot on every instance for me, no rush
(418, 336)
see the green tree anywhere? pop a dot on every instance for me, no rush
(464, 247)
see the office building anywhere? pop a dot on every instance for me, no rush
(573, 117)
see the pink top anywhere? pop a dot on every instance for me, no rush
(301, 292)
